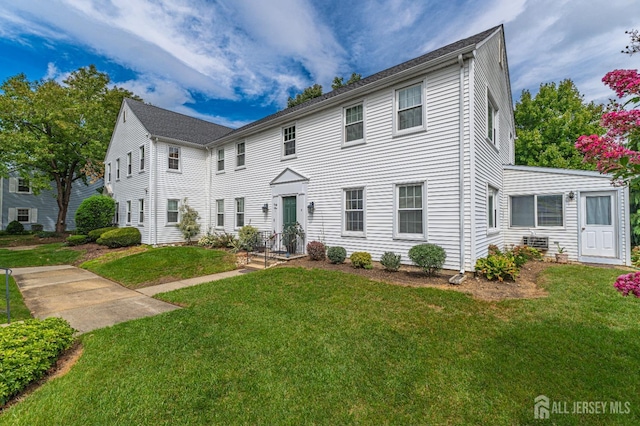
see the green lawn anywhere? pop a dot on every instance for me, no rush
(161, 265)
(48, 254)
(18, 309)
(292, 346)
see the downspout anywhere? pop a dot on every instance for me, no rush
(152, 191)
(461, 163)
(208, 188)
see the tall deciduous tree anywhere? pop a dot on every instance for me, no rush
(339, 81)
(58, 132)
(549, 123)
(308, 93)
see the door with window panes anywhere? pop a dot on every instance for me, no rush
(598, 231)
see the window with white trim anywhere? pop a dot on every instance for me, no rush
(410, 213)
(532, 211)
(289, 141)
(172, 210)
(409, 107)
(129, 164)
(117, 169)
(220, 213)
(109, 173)
(354, 123)
(116, 214)
(174, 158)
(22, 215)
(141, 155)
(141, 210)
(492, 120)
(493, 203)
(23, 186)
(239, 212)
(240, 154)
(128, 211)
(354, 218)
(220, 164)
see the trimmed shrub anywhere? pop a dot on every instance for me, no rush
(188, 224)
(28, 350)
(428, 257)
(97, 233)
(120, 237)
(14, 228)
(336, 254)
(36, 227)
(76, 240)
(248, 237)
(48, 234)
(361, 259)
(95, 212)
(316, 250)
(390, 261)
(497, 267)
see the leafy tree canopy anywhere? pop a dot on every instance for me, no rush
(549, 123)
(308, 93)
(339, 81)
(58, 132)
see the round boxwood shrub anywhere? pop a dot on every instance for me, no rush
(120, 237)
(390, 261)
(316, 250)
(97, 233)
(76, 240)
(428, 257)
(95, 212)
(361, 259)
(14, 228)
(337, 254)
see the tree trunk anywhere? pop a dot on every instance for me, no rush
(63, 185)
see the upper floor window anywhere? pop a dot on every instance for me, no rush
(109, 172)
(537, 210)
(289, 141)
(23, 186)
(240, 154)
(174, 158)
(409, 104)
(492, 121)
(354, 123)
(141, 157)
(129, 164)
(220, 166)
(117, 168)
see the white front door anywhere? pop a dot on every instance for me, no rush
(598, 224)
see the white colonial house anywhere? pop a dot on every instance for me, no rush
(420, 152)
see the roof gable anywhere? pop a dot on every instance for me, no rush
(172, 125)
(288, 176)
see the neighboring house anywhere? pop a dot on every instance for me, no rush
(18, 202)
(421, 152)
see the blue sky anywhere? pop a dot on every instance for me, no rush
(235, 61)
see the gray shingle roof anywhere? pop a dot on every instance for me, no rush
(163, 123)
(435, 54)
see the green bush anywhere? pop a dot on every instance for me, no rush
(36, 227)
(15, 228)
(635, 256)
(336, 254)
(95, 212)
(316, 250)
(76, 240)
(48, 234)
(120, 237)
(390, 261)
(188, 224)
(523, 254)
(28, 350)
(249, 237)
(428, 257)
(361, 259)
(497, 267)
(97, 233)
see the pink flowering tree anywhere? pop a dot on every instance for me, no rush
(617, 151)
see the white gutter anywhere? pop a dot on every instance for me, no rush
(461, 162)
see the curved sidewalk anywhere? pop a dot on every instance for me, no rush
(88, 301)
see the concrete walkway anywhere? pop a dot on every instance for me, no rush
(90, 302)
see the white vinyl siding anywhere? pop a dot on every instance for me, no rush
(173, 206)
(289, 141)
(537, 210)
(220, 160)
(239, 212)
(409, 107)
(174, 158)
(354, 212)
(354, 124)
(219, 213)
(240, 147)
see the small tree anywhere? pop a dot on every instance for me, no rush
(95, 212)
(188, 224)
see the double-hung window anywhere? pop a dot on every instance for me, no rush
(128, 211)
(22, 215)
(174, 158)
(354, 218)
(239, 212)
(240, 154)
(117, 169)
(109, 173)
(289, 141)
(492, 209)
(141, 157)
(410, 210)
(353, 124)
(23, 186)
(220, 213)
(492, 120)
(116, 215)
(172, 211)
(129, 164)
(533, 211)
(409, 107)
(141, 210)
(220, 163)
